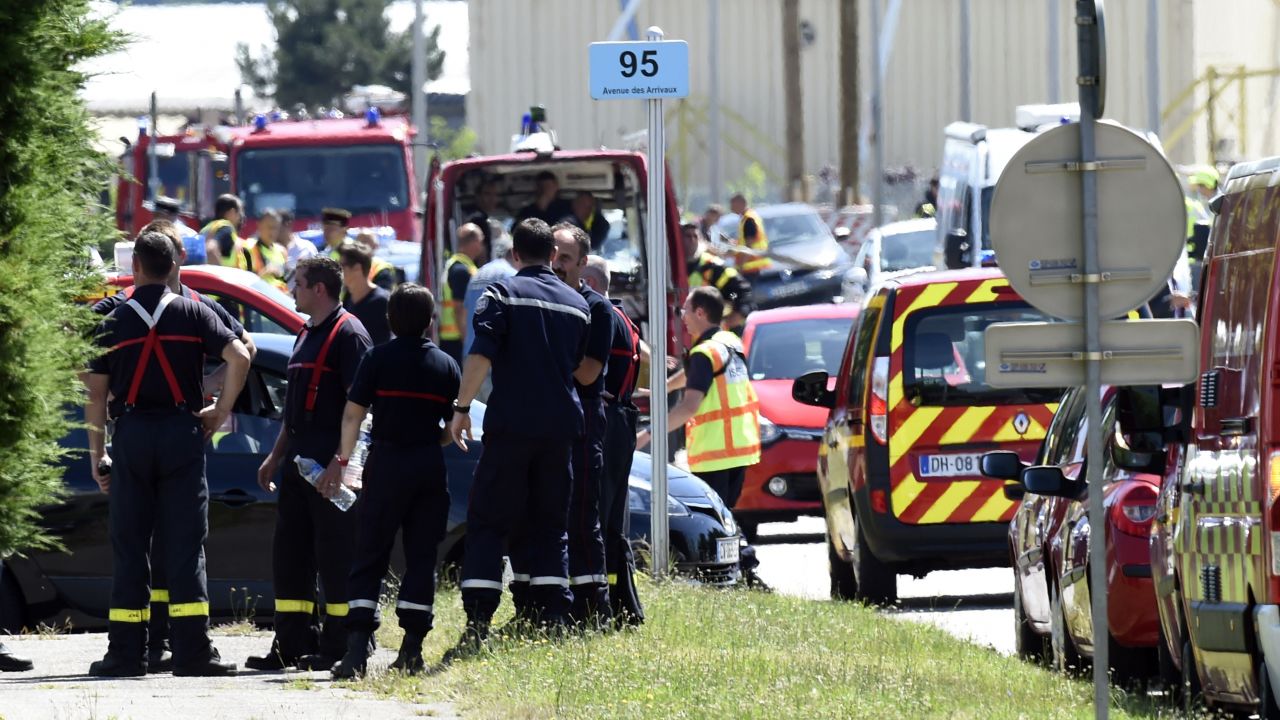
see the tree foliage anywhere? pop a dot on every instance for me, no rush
(50, 178)
(324, 47)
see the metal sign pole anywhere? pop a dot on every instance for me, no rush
(657, 248)
(1089, 81)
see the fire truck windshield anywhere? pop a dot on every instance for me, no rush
(364, 179)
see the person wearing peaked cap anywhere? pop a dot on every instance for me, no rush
(166, 208)
(334, 223)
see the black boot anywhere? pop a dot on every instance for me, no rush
(114, 666)
(471, 644)
(409, 661)
(272, 661)
(356, 661)
(159, 660)
(13, 663)
(212, 667)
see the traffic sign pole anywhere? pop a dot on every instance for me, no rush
(1090, 82)
(659, 523)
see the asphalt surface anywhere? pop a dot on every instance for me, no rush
(975, 605)
(59, 689)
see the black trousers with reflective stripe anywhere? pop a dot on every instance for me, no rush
(521, 493)
(158, 470)
(312, 536)
(615, 518)
(404, 489)
(587, 580)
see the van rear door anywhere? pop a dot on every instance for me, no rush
(943, 415)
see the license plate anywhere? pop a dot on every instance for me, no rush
(959, 465)
(727, 550)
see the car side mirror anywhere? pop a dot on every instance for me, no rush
(1002, 465)
(1138, 409)
(1135, 461)
(811, 389)
(1014, 491)
(1048, 480)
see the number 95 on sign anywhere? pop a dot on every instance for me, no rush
(639, 70)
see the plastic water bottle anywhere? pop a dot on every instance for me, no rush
(353, 475)
(311, 471)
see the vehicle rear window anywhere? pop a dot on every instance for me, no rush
(787, 350)
(944, 357)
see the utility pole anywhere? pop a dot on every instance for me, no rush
(418, 106)
(793, 97)
(850, 107)
(714, 186)
(1153, 66)
(1054, 54)
(966, 61)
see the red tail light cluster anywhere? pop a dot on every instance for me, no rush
(879, 410)
(1134, 509)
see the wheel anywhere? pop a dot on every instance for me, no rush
(1029, 644)
(12, 606)
(1169, 675)
(877, 584)
(843, 584)
(1267, 709)
(1066, 658)
(1190, 679)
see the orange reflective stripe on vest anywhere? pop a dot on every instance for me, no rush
(732, 404)
(451, 308)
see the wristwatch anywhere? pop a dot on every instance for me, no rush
(463, 409)
(342, 462)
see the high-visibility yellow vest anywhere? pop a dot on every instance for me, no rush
(378, 266)
(267, 262)
(237, 258)
(725, 431)
(710, 270)
(451, 311)
(760, 244)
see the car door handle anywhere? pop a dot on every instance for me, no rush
(234, 498)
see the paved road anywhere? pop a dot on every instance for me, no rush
(972, 604)
(58, 688)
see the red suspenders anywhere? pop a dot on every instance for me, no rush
(318, 367)
(410, 394)
(628, 381)
(151, 345)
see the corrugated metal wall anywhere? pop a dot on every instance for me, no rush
(534, 51)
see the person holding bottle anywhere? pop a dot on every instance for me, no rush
(410, 384)
(312, 533)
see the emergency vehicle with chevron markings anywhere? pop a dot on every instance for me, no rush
(910, 418)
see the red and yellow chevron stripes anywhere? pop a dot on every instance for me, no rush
(923, 430)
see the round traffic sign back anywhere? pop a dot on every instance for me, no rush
(1036, 221)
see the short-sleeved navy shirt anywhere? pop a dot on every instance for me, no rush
(623, 368)
(315, 433)
(190, 330)
(533, 328)
(599, 336)
(411, 385)
(106, 305)
(700, 374)
(372, 311)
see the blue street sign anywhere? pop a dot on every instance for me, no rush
(639, 70)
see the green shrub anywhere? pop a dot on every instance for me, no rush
(50, 179)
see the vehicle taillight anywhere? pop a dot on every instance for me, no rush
(879, 501)
(1273, 522)
(880, 400)
(1134, 510)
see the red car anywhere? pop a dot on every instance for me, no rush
(783, 344)
(260, 306)
(1049, 544)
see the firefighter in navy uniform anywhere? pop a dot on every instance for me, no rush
(587, 580)
(312, 534)
(620, 377)
(410, 384)
(158, 656)
(532, 330)
(152, 370)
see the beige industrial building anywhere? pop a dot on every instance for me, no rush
(1217, 85)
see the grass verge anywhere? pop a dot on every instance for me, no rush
(708, 653)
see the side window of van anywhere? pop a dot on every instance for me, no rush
(868, 322)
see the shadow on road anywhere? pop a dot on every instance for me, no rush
(788, 539)
(947, 603)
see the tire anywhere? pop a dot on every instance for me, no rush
(1267, 708)
(1029, 644)
(843, 584)
(877, 584)
(12, 606)
(1190, 679)
(1130, 667)
(1066, 658)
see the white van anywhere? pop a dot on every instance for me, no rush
(973, 156)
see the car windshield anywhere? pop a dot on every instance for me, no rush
(795, 229)
(787, 350)
(907, 250)
(944, 360)
(304, 180)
